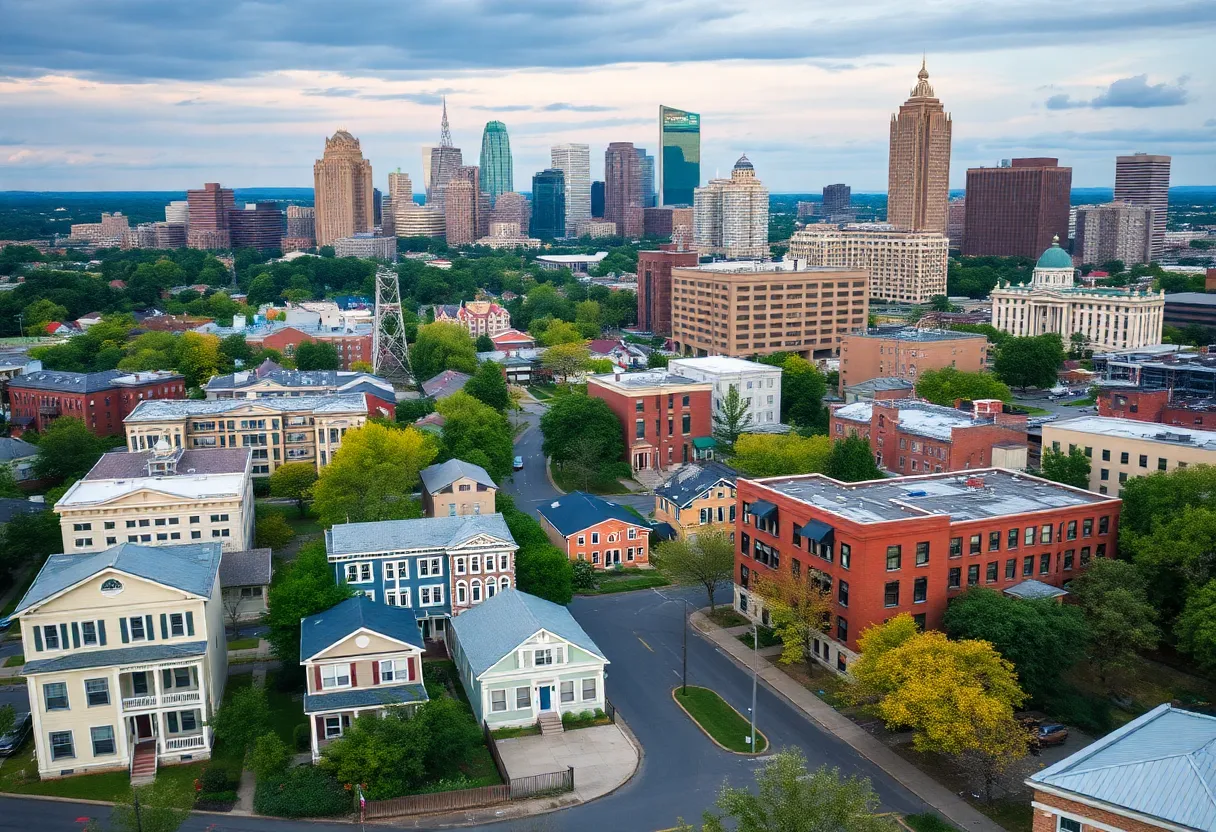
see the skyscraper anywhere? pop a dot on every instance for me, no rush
(440, 164)
(1016, 210)
(574, 161)
(1117, 231)
(511, 207)
(462, 206)
(730, 216)
(1142, 179)
(342, 188)
(549, 203)
(679, 156)
(496, 176)
(597, 199)
(400, 188)
(646, 164)
(257, 226)
(837, 199)
(623, 188)
(208, 209)
(918, 178)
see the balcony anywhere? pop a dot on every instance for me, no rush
(185, 743)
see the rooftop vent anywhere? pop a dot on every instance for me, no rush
(975, 482)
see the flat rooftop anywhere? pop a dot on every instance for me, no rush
(1148, 431)
(916, 417)
(651, 378)
(911, 333)
(723, 364)
(1192, 298)
(761, 266)
(1002, 494)
(155, 410)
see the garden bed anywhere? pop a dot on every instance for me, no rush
(722, 723)
(512, 733)
(726, 617)
(584, 719)
(767, 638)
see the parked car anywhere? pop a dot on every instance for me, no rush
(15, 737)
(518, 464)
(1051, 733)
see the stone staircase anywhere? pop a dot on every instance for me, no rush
(550, 723)
(143, 763)
(650, 478)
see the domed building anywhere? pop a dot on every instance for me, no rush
(730, 216)
(1110, 319)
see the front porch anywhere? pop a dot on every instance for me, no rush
(330, 715)
(163, 712)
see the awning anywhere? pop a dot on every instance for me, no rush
(817, 531)
(762, 508)
(704, 443)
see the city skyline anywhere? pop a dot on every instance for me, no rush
(115, 117)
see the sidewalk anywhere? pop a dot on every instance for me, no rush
(950, 805)
(244, 793)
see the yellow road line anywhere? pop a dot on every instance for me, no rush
(644, 644)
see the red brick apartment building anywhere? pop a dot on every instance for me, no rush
(666, 419)
(101, 400)
(654, 286)
(911, 436)
(590, 528)
(1160, 406)
(909, 544)
(351, 346)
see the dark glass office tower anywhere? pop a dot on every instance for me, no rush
(549, 203)
(679, 156)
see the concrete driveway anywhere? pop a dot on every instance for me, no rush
(603, 758)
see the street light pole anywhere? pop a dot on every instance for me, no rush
(755, 653)
(684, 683)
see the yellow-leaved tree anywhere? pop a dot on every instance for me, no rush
(798, 608)
(957, 697)
(372, 475)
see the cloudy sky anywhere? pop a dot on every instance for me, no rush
(156, 95)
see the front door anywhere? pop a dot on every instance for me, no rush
(143, 727)
(545, 701)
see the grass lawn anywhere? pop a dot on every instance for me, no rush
(767, 638)
(1031, 410)
(718, 719)
(928, 822)
(243, 643)
(306, 525)
(601, 485)
(1147, 683)
(627, 580)
(542, 391)
(1086, 402)
(726, 617)
(286, 707)
(511, 733)
(19, 774)
(14, 661)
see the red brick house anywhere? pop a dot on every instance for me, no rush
(1157, 406)
(593, 529)
(101, 400)
(665, 419)
(909, 544)
(351, 346)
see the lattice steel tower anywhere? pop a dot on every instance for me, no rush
(390, 353)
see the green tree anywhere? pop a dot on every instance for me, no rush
(802, 390)
(1042, 638)
(40, 313)
(273, 531)
(566, 360)
(774, 454)
(8, 483)
(317, 355)
(27, 539)
(949, 384)
(545, 571)
(489, 385)
(707, 561)
(1029, 362)
(1162, 495)
(372, 475)
(588, 319)
(303, 587)
(271, 756)
(199, 358)
(1177, 557)
(1070, 468)
(484, 343)
(788, 798)
(235, 348)
(560, 332)
(294, 481)
(851, 460)
(1196, 627)
(1121, 619)
(161, 809)
(656, 360)
(239, 721)
(731, 418)
(67, 450)
(385, 753)
(940, 303)
(574, 418)
(1078, 345)
(476, 432)
(443, 346)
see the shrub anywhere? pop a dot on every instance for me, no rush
(273, 531)
(270, 755)
(216, 801)
(215, 779)
(301, 792)
(261, 487)
(584, 575)
(302, 737)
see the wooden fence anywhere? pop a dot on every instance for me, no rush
(553, 782)
(418, 804)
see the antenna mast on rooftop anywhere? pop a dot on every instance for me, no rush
(390, 353)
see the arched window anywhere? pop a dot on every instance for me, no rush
(491, 588)
(504, 582)
(459, 566)
(461, 592)
(612, 538)
(475, 588)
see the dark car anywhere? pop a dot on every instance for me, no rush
(1051, 733)
(15, 736)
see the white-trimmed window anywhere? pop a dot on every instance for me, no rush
(588, 689)
(582, 541)
(504, 562)
(136, 625)
(358, 573)
(390, 570)
(475, 591)
(430, 567)
(403, 570)
(459, 566)
(390, 598)
(61, 745)
(498, 701)
(335, 676)
(335, 725)
(394, 670)
(475, 563)
(633, 533)
(595, 537)
(541, 658)
(491, 587)
(1064, 824)
(504, 582)
(462, 592)
(369, 594)
(523, 699)
(489, 563)
(430, 596)
(88, 633)
(612, 537)
(403, 597)
(177, 625)
(567, 692)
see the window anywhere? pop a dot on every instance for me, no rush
(922, 553)
(97, 691)
(1011, 569)
(51, 636)
(890, 594)
(920, 590)
(540, 658)
(103, 740)
(956, 547)
(498, 700)
(973, 574)
(55, 694)
(335, 676)
(1103, 525)
(61, 745)
(394, 670)
(595, 538)
(1069, 556)
(994, 541)
(88, 632)
(567, 692)
(523, 699)
(136, 624)
(973, 545)
(1072, 530)
(1106, 455)
(1045, 533)
(588, 689)
(1068, 824)
(992, 571)
(1044, 563)
(1027, 566)
(334, 726)
(1029, 537)
(955, 578)
(846, 555)
(1013, 538)
(177, 624)
(894, 557)
(842, 629)
(1143, 460)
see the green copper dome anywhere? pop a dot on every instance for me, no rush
(1055, 257)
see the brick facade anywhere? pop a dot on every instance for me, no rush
(1048, 808)
(35, 404)
(351, 347)
(1155, 406)
(604, 544)
(658, 421)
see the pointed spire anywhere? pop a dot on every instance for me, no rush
(445, 133)
(922, 88)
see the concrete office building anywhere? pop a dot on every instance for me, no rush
(1117, 231)
(368, 246)
(345, 202)
(574, 161)
(623, 188)
(654, 287)
(728, 308)
(549, 204)
(918, 176)
(302, 222)
(907, 353)
(170, 235)
(1016, 210)
(208, 223)
(512, 207)
(730, 216)
(904, 266)
(1144, 179)
(496, 165)
(956, 221)
(679, 171)
(178, 211)
(758, 386)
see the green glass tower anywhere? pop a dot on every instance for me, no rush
(496, 160)
(679, 156)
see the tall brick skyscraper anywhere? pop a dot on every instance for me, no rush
(918, 178)
(208, 226)
(1016, 211)
(464, 208)
(342, 182)
(623, 188)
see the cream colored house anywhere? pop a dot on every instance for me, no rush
(456, 487)
(277, 430)
(359, 657)
(1119, 449)
(125, 658)
(163, 497)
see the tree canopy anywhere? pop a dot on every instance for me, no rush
(774, 454)
(575, 422)
(443, 346)
(1070, 468)
(372, 475)
(67, 449)
(949, 384)
(731, 418)
(477, 433)
(1120, 617)
(541, 569)
(318, 355)
(1029, 362)
(851, 460)
(489, 385)
(707, 561)
(302, 587)
(294, 481)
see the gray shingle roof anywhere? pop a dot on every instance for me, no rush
(67, 382)
(325, 629)
(11, 449)
(692, 480)
(1031, 589)
(1161, 764)
(251, 567)
(364, 698)
(445, 384)
(191, 568)
(126, 464)
(445, 473)
(419, 533)
(119, 655)
(156, 410)
(498, 625)
(578, 510)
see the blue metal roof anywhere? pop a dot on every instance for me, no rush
(325, 629)
(1162, 764)
(691, 481)
(498, 625)
(578, 510)
(118, 656)
(191, 568)
(364, 698)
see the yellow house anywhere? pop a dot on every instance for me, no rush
(456, 487)
(698, 497)
(125, 658)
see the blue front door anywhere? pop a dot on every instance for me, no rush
(544, 697)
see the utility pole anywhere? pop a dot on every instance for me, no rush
(755, 653)
(684, 683)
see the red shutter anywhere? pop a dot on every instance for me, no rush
(316, 672)
(354, 679)
(375, 673)
(413, 674)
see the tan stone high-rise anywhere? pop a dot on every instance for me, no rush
(342, 181)
(918, 179)
(464, 207)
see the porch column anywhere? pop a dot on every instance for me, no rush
(162, 734)
(116, 686)
(203, 693)
(312, 727)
